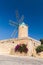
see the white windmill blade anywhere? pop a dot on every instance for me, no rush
(14, 32)
(13, 23)
(21, 20)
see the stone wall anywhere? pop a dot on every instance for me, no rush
(7, 45)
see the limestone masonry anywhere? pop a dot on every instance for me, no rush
(7, 45)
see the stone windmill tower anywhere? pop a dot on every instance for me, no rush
(20, 27)
(23, 30)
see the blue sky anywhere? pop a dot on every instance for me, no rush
(33, 16)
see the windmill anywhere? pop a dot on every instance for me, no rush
(16, 24)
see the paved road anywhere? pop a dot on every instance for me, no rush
(8, 60)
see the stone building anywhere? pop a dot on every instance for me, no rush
(7, 45)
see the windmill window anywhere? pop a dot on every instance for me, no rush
(22, 26)
(13, 42)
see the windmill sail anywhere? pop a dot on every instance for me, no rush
(13, 23)
(17, 16)
(14, 33)
(19, 21)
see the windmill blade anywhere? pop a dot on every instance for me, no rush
(17, 15)
(14, 32)
(13, 23)
(21, 20)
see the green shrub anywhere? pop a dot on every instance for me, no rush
(39, 48)
(21, 48)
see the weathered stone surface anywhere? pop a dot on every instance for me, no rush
(7, 45)
(8, 60)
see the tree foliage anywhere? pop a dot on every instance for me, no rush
(41, 41)
(39, 49)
